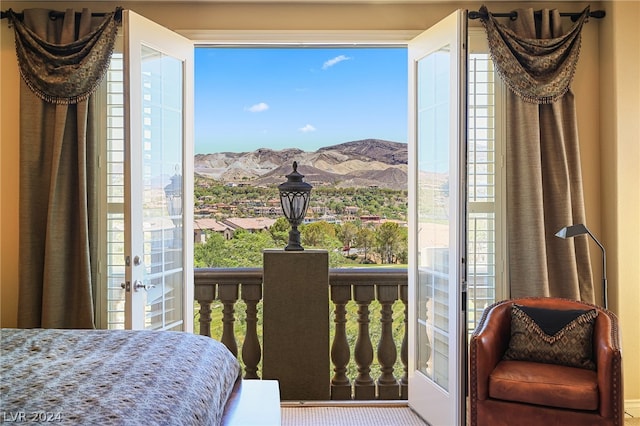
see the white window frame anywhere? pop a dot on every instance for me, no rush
(478, 44)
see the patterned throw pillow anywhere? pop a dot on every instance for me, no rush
(552, 336)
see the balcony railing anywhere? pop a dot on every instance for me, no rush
(374, 291)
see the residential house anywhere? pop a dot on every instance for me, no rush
(251, 224)
(606, 86)
(202, 226)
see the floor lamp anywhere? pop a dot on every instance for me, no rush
(580, 229)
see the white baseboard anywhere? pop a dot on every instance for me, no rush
(632, 407)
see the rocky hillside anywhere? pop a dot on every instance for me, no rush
(369, 162)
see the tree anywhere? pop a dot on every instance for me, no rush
(243, 250)
(280, 231)
(348, 233)
(319, 234)
(402, 251)
(210, 253)
(388, 240)
(365, 239)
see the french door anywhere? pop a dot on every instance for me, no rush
(437, 200)
(149, 180)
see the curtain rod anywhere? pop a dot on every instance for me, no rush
(53, 15)
(513, 15)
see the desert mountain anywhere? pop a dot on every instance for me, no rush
(363, 163)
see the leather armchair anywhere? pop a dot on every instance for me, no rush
(524, 393)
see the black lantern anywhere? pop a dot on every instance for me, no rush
(294, 198)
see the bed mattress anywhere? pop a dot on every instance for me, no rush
(114, 377)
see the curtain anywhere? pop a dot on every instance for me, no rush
(544, 179)
(61, 62)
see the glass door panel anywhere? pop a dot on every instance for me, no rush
(162, 140)
(159, 189)
(433, 214)
(437, 200)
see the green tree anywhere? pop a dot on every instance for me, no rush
(348, 233)
(210, 253)
(280, 231)
(402, 251)
(388, 240)
(318, 234)
(365, 238)
(243, 250)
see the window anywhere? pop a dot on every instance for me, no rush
(111, 297)
(486, 269)
(485, 182)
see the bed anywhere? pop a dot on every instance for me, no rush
(117, 377)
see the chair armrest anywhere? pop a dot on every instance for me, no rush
(609, 365)
(488, 344)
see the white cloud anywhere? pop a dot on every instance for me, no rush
(258, 107)
(332, 62)
(308, 128)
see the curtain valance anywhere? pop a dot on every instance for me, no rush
(65, 73)
(538, 70)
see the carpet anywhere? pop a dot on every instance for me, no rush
(300, 415)
(349, 416)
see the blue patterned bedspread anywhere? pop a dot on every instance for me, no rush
(101, 377)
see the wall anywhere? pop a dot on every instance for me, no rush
(620, 157)
(610, 174)
(9, 177)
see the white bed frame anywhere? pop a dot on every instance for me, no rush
(256, 403)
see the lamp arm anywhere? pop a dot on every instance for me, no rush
(604, 269)
(604, 255)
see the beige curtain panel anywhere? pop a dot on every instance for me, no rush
(58, 164)
(544, 177)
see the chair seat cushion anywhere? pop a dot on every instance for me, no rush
(544, 384)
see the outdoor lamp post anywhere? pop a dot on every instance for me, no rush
(580, 229)
(294, 199)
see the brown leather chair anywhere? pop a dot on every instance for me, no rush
(507, 392)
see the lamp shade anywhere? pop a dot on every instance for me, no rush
(572, 231)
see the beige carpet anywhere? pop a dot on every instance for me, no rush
(350, 416)
(362, 416)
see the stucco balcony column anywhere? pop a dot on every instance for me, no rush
(296, 323)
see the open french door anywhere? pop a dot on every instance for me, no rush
(158, 176)
(437, 242)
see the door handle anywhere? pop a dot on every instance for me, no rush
(137, 286)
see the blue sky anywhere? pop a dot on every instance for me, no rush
(307, 98)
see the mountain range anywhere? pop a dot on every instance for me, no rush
(362, 163)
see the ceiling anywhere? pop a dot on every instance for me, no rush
(268, 1)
